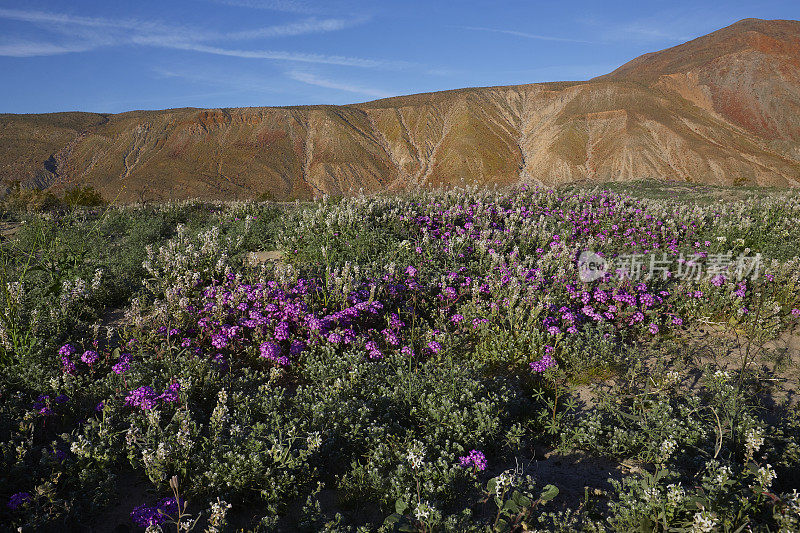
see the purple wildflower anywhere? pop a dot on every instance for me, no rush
(434, 346)
(90, 357)
(66, 350)
(170, 394)
(281, 331)
(170, 506)
(121, 367)
(144, 398)
(296, 348)
(475, 458)
(67, 366)
(145, 516)
(18, 499)
(543, 364)
(219, 340)
(272, 351)
(796, 312)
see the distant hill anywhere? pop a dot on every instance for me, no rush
(721, 109)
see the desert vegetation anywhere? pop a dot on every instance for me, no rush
(428, 362)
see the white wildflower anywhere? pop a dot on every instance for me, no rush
(753, 440)
(703, 522)
(423, 511)
(764, 477)
(667, 449)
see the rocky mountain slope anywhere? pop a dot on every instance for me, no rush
(721, 109)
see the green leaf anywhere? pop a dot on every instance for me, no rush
(521, 500)
(400, 506)
(511, 507)
(549, 492)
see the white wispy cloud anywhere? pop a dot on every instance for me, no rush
(288, 6)
(87, 33)
(303, 27)
(42, 17)
(291, 56)
(312, 79)
(34, 49)
(524, 34)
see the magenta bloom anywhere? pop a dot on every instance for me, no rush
(653, 328)
(90, 357)
(475, 458)
(67, 366)
(66, 350)
(411, 271)
(272, 351)
(170, 394)
(282, 331)
(144, 398)
(434, 347)
(456, 318)
(796, 312)
(373, 350)
(543, 364)
(219, 341)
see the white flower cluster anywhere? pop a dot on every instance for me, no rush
(81, 447)
(423, 511)
(764, 477)
(703, 522)
(667, 449)
(216, 518)
(675, 494)
(753, 440)
(503, 481)
(416, 457)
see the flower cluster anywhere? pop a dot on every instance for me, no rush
(146, 516)
(473, 459)
(145, 398)
(18, 499)
(543, 364)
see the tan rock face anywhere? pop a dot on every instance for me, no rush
(722, 109)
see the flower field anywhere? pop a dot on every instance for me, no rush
(407, 363)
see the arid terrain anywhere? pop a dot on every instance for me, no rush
(722, 109)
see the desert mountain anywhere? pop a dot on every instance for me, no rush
(721, 109)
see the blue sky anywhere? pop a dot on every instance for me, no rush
(103, 56)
